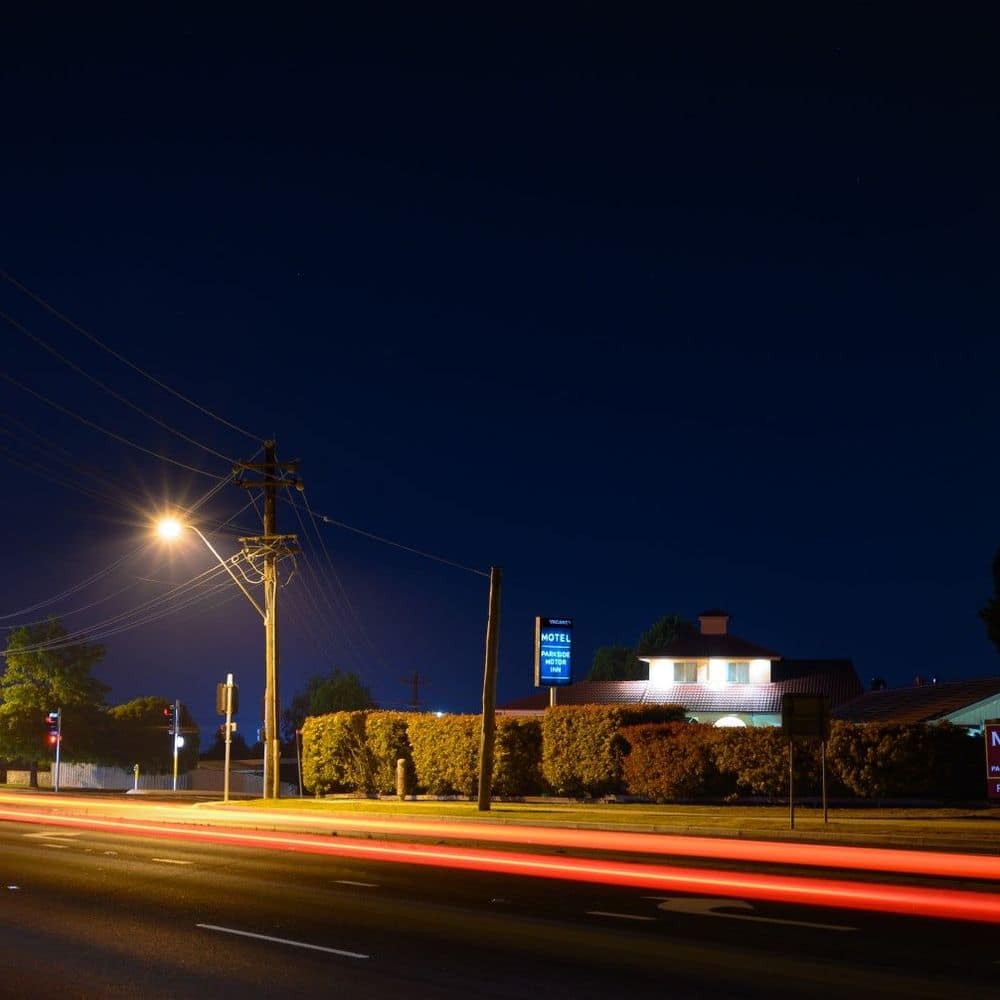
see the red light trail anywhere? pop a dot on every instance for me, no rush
(941, 903)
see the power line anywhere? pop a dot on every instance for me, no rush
(35, 297)
(104, 430)
(111, 392)
(388, 541)
(77, 587)
(323, 589)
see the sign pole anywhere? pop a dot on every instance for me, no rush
(791, 783)
(229, 734)
(177, 729)
(826, 815)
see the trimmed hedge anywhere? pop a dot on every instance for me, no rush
(517, 758)
(386, 741)
(899, 760)
(582, 746)
(334, 757)
(671, 760)
(642, 750)
(445, 753)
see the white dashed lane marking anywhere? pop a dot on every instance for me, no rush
(277, 940)
(362, 885)
(618, 916)
(171, 861)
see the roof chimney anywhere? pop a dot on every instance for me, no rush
(714, 622)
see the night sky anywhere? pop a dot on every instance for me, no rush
(657, 315)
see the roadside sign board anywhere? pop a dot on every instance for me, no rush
(553, 652)
(805, 716)
(991, 731)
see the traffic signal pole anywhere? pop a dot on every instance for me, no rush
(55, 783)
(176, 731)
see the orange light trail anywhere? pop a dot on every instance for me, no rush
(948, 904)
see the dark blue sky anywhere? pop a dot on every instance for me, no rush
(655, 314)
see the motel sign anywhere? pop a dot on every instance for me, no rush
(991, 731)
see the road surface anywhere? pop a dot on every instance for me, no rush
(91, 913)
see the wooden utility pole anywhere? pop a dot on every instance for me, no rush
(489, 691)
(415, 681)
(269, 548)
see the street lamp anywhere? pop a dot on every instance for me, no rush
(169, 529)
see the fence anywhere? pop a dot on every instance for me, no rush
(242, 781)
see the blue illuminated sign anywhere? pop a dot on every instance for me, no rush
(553, 651)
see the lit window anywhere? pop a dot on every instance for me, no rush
(738, 673)
(686, 672)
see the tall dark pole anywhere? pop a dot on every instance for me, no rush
(269, 548)
(272, 745)
(489, 691)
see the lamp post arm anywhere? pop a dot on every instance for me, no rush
(225, 565)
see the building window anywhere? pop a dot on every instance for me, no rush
(685, 672)
(738, 672)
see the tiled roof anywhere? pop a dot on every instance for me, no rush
(584, 693)
(918, 704)
(699, 647)
(839, 684)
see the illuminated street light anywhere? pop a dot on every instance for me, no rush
(169, 528)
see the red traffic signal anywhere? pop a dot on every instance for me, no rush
(52, 721)
(170, 715)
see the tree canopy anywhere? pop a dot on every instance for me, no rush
(620, 663)
(45, 671)
(333, 692)
(663, 632)
(140, 735)
(616, 663)
(990, 612)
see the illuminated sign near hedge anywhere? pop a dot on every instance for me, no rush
(553, 651)
(992, 733)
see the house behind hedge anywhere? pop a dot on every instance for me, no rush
(962, 703)
(719, 678)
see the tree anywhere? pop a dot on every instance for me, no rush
(663, 632)
(140, 735)
(617, 663)
(620, 663)
(238, 749)
(46, 671)
(990, 614)
(335, 692)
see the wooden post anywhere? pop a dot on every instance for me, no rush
(489, 691)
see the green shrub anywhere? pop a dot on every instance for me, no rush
(582, 748)
(334, 755)
(445, 752)
(517, 757)
(672, 760)
(881, 760)
(387, 741)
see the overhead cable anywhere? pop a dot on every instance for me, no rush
(111, 392)
(104, 430)
(388, 541)
(35, 297)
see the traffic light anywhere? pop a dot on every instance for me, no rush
(52, 728)
(169, 715)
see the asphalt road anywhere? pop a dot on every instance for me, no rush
(89, 913)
